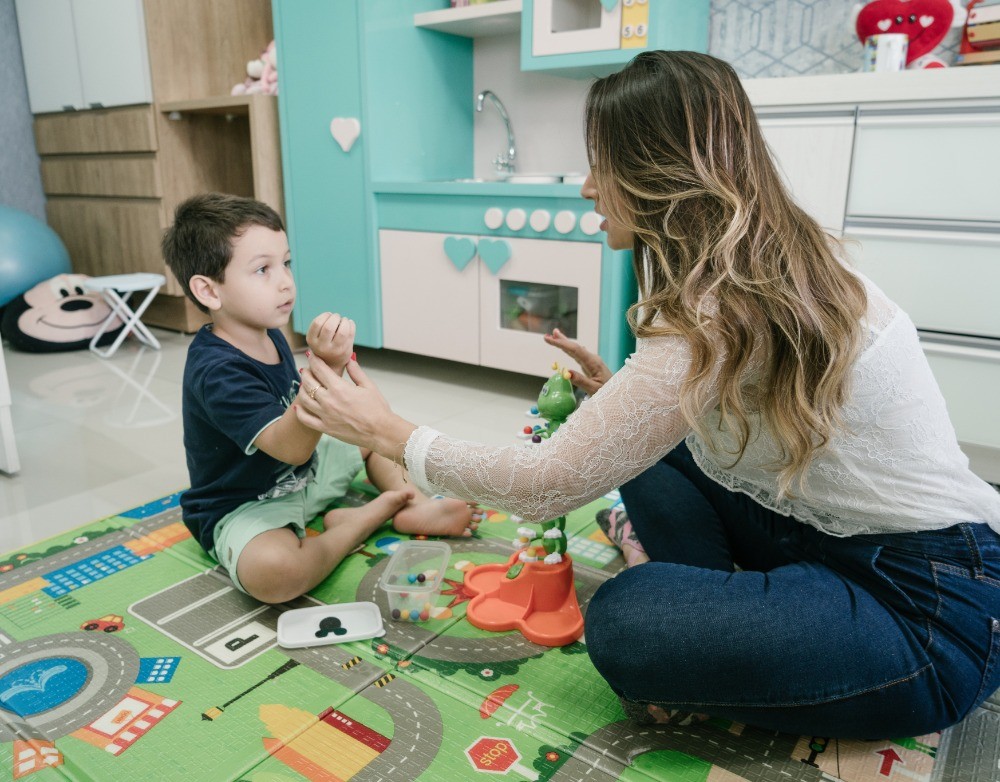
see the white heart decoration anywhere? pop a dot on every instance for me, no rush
(926, 21)
(345, 131)
(884, 24)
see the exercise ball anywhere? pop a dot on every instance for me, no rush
(30, 252)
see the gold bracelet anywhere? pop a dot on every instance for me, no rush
(401, 462)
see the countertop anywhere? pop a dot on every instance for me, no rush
(964, 82)
(493, 189)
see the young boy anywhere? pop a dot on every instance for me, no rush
(257, 474)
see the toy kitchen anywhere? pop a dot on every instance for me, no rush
(476, 272)
(431, 196)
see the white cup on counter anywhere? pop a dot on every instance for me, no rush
(886, 52)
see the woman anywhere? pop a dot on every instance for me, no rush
(822, 560)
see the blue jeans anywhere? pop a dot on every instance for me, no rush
(870, 636)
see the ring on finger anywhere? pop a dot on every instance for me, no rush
(312, 393)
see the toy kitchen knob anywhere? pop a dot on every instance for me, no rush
(565, 221)
(590, 223)
(493, 217)
(540, 220)
(516, 218)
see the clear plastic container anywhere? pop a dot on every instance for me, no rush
(412, 579)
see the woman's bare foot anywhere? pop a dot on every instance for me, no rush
(371, 514)
(438, 516)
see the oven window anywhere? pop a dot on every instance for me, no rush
(537, 307)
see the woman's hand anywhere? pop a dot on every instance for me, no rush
(595, 371)
(331, 337)
(351, 410)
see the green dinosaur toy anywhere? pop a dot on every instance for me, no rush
(556, 402)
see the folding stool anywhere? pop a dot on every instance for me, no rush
(111, 289)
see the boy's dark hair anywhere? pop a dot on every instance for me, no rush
(201, 239)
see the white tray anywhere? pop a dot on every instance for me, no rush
(298, 627)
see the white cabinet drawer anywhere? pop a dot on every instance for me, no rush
(946, 281)
(927, 166)
(969, 378)
(813, 154)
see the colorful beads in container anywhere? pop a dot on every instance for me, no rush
(412, 579)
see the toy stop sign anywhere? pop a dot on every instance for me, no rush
(497, 756)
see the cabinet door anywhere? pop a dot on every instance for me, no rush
(968, 377)
(927, 166)
(326, 198)
(940, 278)
(813, 153)
(542, 284)
(111, 42)
(430, 294)
(48, 47)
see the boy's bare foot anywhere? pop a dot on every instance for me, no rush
(439, 516)
(371, 514)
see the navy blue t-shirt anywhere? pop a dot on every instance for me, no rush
(228, 400)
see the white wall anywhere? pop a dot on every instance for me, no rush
(20, 178)
(545, 111)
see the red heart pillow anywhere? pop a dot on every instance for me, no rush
(926, 22)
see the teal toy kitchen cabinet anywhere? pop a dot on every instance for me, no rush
(478, 273)
(596, 37)
(363, 96)
(488, 300)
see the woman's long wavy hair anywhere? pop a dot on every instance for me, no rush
(723, 255)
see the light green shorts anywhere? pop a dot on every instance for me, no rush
(336, 465)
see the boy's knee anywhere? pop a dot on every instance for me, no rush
(269, 575)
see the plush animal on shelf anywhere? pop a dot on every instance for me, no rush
(924, 22)
(262, 74)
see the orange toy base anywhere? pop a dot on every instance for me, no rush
(540, 601)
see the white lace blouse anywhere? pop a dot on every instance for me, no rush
(895, 465)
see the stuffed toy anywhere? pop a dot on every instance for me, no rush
(925, 22)
(262, 74)
(56, 315)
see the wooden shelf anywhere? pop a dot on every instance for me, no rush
(498, 17)
(223, 104)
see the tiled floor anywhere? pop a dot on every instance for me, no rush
(100, 436)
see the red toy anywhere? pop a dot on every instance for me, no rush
(925, 22)
(536, 598)
(111, 623)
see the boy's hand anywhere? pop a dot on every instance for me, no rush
(595, 371)
(331, 337)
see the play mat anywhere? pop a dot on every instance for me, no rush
(125, 655)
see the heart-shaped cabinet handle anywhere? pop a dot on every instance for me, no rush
(495, 253)
(345, 131)
(460, 250)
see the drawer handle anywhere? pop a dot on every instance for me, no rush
(921, 234)
(962, 351)
(918, 120)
